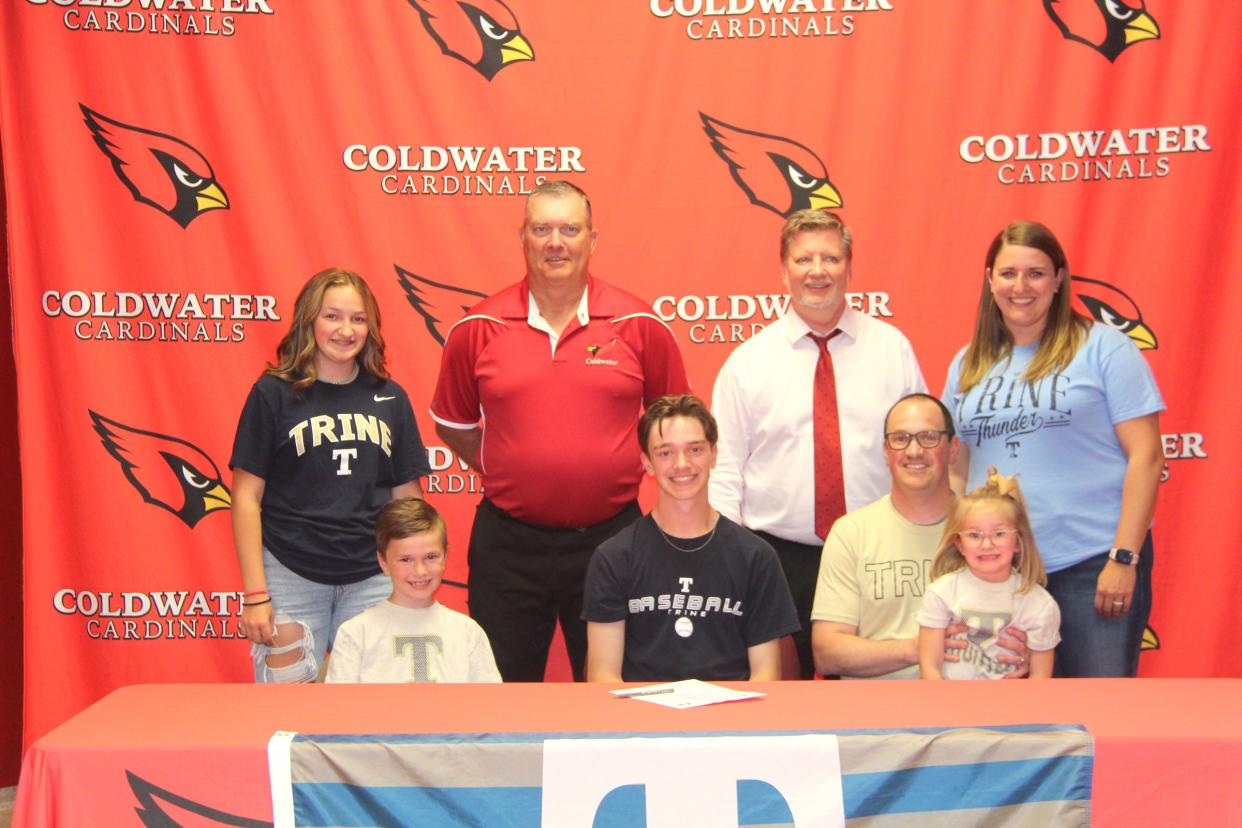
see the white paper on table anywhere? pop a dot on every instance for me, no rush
(686, 693)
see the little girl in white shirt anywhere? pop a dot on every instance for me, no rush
(987, 575)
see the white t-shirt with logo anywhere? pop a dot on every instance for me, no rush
(390, 644)
(987, 609)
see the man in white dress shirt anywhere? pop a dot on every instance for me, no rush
(764, 400)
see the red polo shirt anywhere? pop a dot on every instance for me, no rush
(559, 440)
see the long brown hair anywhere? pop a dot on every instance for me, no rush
(295, 355)
(1064, 332)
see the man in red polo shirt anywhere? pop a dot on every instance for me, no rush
(540, 389)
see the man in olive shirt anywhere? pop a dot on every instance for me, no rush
(877, 559)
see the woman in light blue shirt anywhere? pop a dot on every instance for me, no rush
(1072, 406)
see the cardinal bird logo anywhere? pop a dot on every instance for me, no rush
(484, 34)
(158, 808)
(168, 472)
(438, 304)
(774, 172)
(158, 169)
(1108, 26)
(1111, 305)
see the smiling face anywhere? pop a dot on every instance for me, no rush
(341, 329)
(816, 272)
(1024, 281)
(989, 558)
(415, 564)
(680, 458)
(914, 468)
(557, 240)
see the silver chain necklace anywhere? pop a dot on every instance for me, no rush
(703, 545)
(346, 381)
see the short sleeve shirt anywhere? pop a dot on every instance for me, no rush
(558, 420)
(390, 644)
(689, 614)
(873, 574)
(1059, 434)
(329, 458)
(988, 609)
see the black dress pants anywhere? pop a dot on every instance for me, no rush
(524, 578)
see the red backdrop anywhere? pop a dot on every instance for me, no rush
(174, 175)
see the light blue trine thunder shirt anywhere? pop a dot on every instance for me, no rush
(1058, 434)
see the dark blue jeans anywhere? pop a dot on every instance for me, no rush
(1093, 646)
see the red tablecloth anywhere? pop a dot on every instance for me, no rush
(1168, 751)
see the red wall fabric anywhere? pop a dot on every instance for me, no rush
(397, 137)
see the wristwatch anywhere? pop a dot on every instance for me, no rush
(1123, 556)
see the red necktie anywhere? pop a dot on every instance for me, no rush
(829, 481)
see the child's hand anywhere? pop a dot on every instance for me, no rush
(1014, 640)
(955, 641)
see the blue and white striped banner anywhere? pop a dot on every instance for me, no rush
(1012, 775)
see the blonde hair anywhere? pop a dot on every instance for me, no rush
(295, 355)
(816, 220)
(1064, 333)
(1002, 493)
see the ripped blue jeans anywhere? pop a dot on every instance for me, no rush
(320, 608)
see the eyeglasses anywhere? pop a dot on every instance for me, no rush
(997, 536)
(900, 440)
